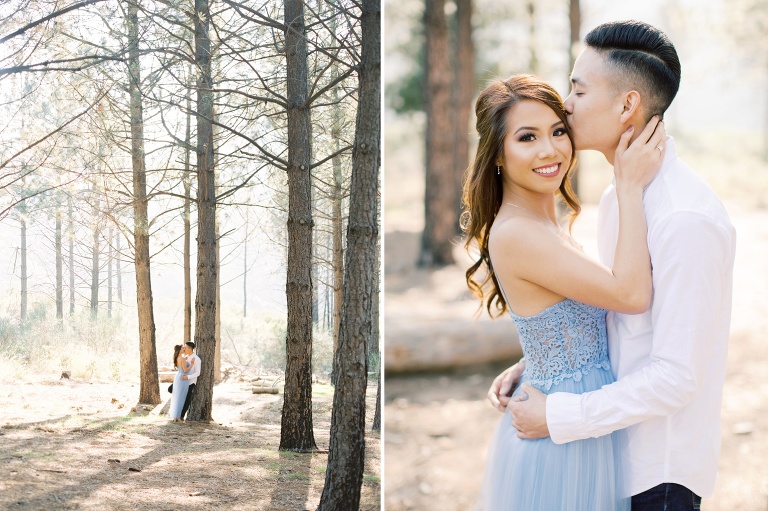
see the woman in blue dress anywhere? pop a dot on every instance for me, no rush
(557, 296)
(180, 386)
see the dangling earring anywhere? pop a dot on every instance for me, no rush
(498, 170)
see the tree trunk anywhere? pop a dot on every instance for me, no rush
(533, 59)
(23, 218)
(59, 275)
(296, 432)
(71, 234)
(346, 453)
(315, 285)
(441, 198)
(207, 269)
(245, 269)
(110, 256)
(573, 46)
(117, 268)
(149, 387)
(373, 346)
(187, 227)
(337, 220)
(463, 93)
(95, 264)
(217, 329)
(217, 323)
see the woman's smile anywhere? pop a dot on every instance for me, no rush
(550, 170)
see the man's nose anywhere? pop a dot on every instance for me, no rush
(569, 104)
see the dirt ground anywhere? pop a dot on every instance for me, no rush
(67, 444)
(438, 425)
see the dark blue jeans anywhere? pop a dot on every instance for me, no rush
(666, 497)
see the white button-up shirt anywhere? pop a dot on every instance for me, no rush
(670, 361)
(192, 376)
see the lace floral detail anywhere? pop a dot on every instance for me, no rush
(565, 340)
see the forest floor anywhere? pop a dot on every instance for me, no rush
(86, 445)
(438, 425)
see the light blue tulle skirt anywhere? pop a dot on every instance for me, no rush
(539, 475)
(179, 395)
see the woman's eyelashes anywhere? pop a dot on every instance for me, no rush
(526, 137)
(530, 137)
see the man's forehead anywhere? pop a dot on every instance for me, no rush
(589, 68)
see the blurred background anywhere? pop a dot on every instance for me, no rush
(440, 354)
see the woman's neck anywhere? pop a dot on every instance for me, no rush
(539, 205)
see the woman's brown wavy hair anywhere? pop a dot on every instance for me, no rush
(176, 351)
(482, 191)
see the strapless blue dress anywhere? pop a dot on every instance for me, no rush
(179, 394)
(566, 350)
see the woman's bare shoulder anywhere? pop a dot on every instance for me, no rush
(514, 232)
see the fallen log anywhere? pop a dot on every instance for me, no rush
(265, 390)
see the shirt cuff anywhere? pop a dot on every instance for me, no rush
(564, 418)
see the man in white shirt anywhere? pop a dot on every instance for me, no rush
(189, 350)
(670, 361)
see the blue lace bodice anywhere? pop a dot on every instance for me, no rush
(565, 340)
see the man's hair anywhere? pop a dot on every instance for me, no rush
(644, 58)
(190, 344)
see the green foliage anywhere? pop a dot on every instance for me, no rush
(117, 370)
(406, 92)
(374, 365)
(36, 313)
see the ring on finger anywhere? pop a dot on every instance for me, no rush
(660, 148)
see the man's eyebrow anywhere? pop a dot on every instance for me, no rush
(577, 81)
(532, 128)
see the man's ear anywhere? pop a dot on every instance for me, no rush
(630, 105)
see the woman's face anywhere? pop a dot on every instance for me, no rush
(537, 150)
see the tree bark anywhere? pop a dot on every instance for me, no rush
(117, 268)
(574, 9)
(71, 234)
(110, 256)
(95, 265)
(463, 94)
(149, 387)
(187, 227)
(337, 220)
(207, 269)
(346, 453)
(373, 346)
(245, 269)
(59, 275)
(441, 198)
(23, 218)
(533, 59)
(217, 327)
(314, 275)
(296, 432)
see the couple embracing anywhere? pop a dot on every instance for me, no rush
(616, 404)
(187, 365)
